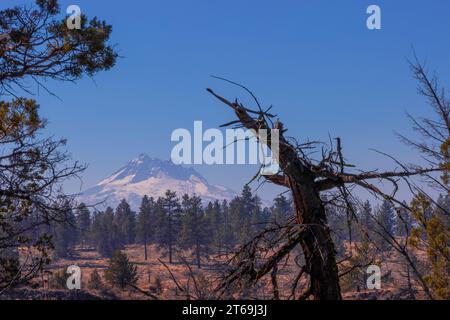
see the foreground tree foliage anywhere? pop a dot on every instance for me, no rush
(39, 45)
(35, 46)
(432, 232)
(432, 228)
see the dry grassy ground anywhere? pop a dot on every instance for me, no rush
(150, 271)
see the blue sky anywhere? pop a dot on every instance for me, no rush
(315, 61)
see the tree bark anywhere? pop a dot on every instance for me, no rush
(145, 249)
(317, 245)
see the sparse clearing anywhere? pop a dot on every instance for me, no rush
(393, 286)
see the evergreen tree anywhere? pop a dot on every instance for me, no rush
(404, 222)
(146, 222)
(236, 221)
(121, 272)
(385, 225)
(96, 229)
(194, 232)
(338, 225)
(244, 211)
(257, 222)
(442, 209)
(215, 225)
(249, 201)
(227, 232)
(105, 234)
(125, 220)
(65, 235)
(169, 212)
(362, 229)
(432, 232)
(366, 219)
(83, 221)
(281, 209)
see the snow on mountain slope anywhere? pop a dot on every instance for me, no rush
(152, 177)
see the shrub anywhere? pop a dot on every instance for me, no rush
(121, 272)
(95, 281)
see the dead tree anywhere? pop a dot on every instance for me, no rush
(308, 179)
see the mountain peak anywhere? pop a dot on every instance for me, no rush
(150, 176)
(144, 158)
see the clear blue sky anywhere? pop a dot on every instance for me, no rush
(315, 61)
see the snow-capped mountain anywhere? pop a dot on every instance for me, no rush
(152, 177)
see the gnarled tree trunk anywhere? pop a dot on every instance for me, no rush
(315, 237)
(316, 243)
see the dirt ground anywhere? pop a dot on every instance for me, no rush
(170, 281)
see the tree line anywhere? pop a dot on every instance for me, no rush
(172, 223)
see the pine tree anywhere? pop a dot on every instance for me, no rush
(366, 218)
(83, 221)
(281, 210)
(125, 220)
(248, 200)
(169, 212)
(244, 211)
(227, 232)
(215, 221)
(338, 225)
(65, 235)
(443, 209)
(404, 222)
(121, 272)
(257, 222)
(385, 226)
(146, 222)
(194, 232)
(236, 221)
(95, 233)
(432, 232)
(105, 234)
